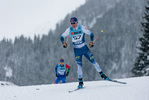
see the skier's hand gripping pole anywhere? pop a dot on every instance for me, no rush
(91, 44)
(65, 43)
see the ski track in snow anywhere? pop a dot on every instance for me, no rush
(135, 89)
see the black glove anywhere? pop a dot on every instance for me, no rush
(56, 75)
(91, 44)
(67, 73)
(65, 45)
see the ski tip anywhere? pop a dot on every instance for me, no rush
(116, 81)
(69, 91)
(75, 89)
(124, 83)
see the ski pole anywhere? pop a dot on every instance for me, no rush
(67, 38)
(97, 37)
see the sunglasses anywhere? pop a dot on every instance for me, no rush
(72, 22)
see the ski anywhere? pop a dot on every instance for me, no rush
(111, 80)
(76, 89)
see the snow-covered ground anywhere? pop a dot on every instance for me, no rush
(135, 89)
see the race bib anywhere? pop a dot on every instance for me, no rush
(61, 70)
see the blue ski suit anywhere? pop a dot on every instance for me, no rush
(80, 48)
(61, 72)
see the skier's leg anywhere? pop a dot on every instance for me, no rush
(96, 65)
(79, 66)
(89, 55)
(57, 80)
(78, 58)
(80, 73)
(64, 79)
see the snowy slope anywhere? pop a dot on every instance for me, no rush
(6, 84)
(135, 89)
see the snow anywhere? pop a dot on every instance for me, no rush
(135, 89)
(6, 84)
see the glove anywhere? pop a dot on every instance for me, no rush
(91, 44)
(56, 75)
(67, 73)
(65, 45)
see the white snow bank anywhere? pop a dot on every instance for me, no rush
(135, 89)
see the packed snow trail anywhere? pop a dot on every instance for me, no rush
(135, 89)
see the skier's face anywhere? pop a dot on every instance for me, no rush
(74, 24)
(62, 63)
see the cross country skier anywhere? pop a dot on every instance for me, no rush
(77, 33)
(61, 71)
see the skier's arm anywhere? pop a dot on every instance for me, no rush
(62, 39)
(68, 67)
(65, 34)
(88, 32)
(92, 37)
(56, 70)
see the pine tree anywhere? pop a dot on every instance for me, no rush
(141, 66)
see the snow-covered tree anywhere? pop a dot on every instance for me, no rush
(141, 66)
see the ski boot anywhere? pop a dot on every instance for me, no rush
(80, 83)
(103, 76)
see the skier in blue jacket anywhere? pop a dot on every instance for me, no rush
(77, 33)
(61, 71)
